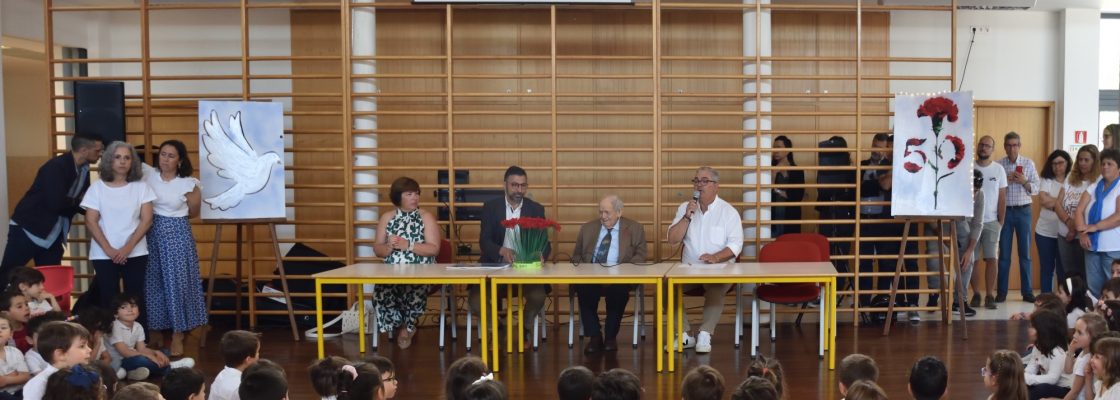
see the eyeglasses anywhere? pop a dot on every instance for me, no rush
(520, 185)
(702, 182)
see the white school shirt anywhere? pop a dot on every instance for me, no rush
(123, 334)
(1072, 316)
(711, 231)
(35, 388)
(1047, 369)
(12, 362)
(35, 362)
(39, 307)
(171, 196)
(120, 215)
(225, 385)
(1113, 392)
(1047, 225)
(995, 178)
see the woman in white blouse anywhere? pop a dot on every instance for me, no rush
(1085, 171)
(118, 215)
(173, 289)
(1046, 229)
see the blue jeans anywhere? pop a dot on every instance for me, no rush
(1098, 269)
(1018, 221)
(1050, 262)
(134, 362)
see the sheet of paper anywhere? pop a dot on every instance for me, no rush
(478, 266)
(706, 266)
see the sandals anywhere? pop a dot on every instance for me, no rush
(404, 338)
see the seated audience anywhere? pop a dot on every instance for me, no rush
(1044, 371)
(13, 368)
(702, 383)
(388, 375)
(1044, 301)
(1106, 368)
(99, 323)
(928, 379)
(239, 349)
(75, 383)
(1003, 376)
(127, 342)
(183, 384)
(1110, 291)
(325, 375)
(109, 378)
(617, 384)
(486, 390)
(770, 369)
(35, 362)
(865, 390)
(1075, 294)
(263, 380)
(462, 373)
(138, 391)
(755, 388)
(14, 307)
(30, 282)
(575, 383)
(63, 345)
(856, 367)
(1088, 327)
(361, 381)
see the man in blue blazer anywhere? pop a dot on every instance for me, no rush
(492, 239)
(42, 217)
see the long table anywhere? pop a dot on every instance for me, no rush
(823, 273)
(566, 273)
(402, 274)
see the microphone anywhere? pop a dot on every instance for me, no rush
(696, 198)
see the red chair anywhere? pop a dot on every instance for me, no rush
(59, 282)
(822, 244)
(785, 293)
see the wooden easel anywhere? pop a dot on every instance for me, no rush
(944, 285)
(237, 288)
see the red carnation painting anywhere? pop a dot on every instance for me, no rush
(948, 150)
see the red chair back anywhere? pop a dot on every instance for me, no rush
(821, 241)
(789, 251)
(59, 282)
(446, 254)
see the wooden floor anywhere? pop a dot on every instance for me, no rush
(533, 374)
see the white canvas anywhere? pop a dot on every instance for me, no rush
(932, 171)
(241, 148)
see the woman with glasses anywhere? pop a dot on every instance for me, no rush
(1046, 228)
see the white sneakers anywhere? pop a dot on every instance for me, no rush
(689, 342)
(138, 374)
(121, 374)
(703, 342)
(185, 362)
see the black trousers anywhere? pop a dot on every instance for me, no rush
(108, 281)
(20, 249)
(588, 295)
(1046, 390)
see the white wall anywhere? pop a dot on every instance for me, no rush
(1020, 57)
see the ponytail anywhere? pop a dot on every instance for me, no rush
(769, 369)
(360, 381)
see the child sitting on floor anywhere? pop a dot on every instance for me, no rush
(14, 306)
(77, 382)
(13, 368)
(183, 384)
(127, 343)
(1044, 371)
(35, 361)
(388, 375)
(1075, 294)
(324, 376)
(240, 349)
(30, 282)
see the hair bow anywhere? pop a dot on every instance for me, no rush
(82, 377)
(353, 371)
(484, 378)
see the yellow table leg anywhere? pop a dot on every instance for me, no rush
(672, 331)
(680, 317)
(658, 308)
(509, 319)
(493, 304)
(362, 319)
(482, 319)
(319, 316)
(832, 322)
(520, 320)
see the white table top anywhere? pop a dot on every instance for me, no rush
(738, 270)
(585, 270)
(401, 271)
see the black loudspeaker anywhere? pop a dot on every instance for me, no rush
(99, 109)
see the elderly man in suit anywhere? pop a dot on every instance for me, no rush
(42, 217)
(496, 247)
(608, 241)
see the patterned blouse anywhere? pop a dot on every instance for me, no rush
(1069, 202)
(410, 226)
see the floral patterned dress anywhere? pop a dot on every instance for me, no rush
(402, 305)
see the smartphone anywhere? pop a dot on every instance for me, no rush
(1018, 169)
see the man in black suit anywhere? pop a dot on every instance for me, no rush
(492, 239)
(41, 219)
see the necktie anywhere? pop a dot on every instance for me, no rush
(604, 248)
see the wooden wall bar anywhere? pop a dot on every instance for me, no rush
(591, 100)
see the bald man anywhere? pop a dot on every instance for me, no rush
(607, 241)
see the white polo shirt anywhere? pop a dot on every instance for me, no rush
(226, 384)
(709, 232)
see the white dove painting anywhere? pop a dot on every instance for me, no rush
(241, 152)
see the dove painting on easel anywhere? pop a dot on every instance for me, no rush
(242, 155)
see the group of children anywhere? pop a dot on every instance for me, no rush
(48, 355)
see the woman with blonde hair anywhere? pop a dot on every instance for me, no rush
(1085, 170)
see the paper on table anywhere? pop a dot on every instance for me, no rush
(706, 266)
(478, 266)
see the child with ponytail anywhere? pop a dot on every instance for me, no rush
(361, 381)
(769, 369)
(1004, 376)
(324, 376)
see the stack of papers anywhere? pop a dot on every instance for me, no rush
(478, 266)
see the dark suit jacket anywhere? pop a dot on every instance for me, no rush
(47, 199)
(631, 241)
(493, 234)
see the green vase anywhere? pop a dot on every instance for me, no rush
(527, 265)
